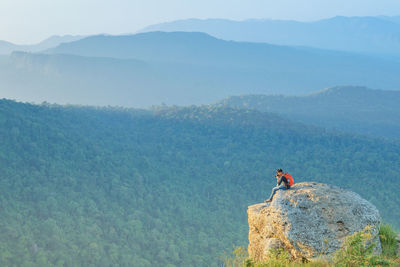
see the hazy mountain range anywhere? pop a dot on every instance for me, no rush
(377, 35)
(352, 109)
(53, 41)
(181, 68)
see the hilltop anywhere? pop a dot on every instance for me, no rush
(346, 108)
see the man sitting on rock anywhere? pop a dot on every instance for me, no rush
(287, 180)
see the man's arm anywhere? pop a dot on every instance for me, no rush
(280, 180)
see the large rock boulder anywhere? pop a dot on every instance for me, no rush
(309, 220)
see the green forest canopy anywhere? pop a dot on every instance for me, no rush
(110, 186)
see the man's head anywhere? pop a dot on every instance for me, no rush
(279, 172)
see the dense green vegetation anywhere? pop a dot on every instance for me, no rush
(346, 108)
(388, 239)
(107, 187)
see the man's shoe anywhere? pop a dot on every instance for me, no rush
(268, 200)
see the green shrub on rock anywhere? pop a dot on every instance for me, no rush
(388, 240)
(358, 250)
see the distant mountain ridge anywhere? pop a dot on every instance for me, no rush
(182, 68)
(377, 35)
(153, 46)
(395, 19)
(53, 41)
(348, 108)
(197, 48)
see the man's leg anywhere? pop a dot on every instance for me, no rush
(281, 187)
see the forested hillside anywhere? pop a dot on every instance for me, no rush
(347, 108)
(120, 187)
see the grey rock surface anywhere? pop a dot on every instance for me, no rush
(310, 220)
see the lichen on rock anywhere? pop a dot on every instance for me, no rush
(309, 220)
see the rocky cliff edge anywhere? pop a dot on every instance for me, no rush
(309, 220)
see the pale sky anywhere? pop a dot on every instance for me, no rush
(31, 21)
